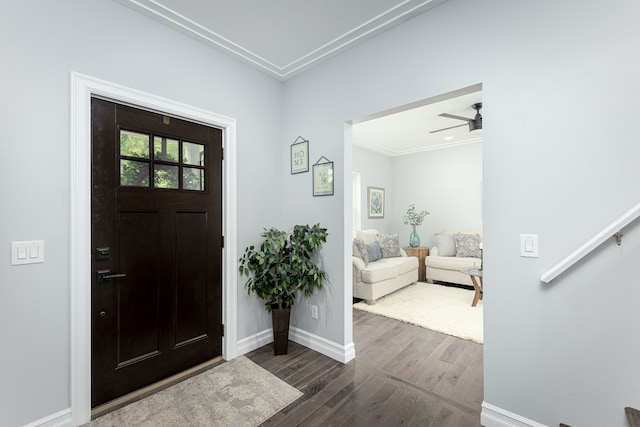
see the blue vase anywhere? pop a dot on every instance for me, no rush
(414, 239)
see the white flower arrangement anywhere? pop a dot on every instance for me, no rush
(414, 218)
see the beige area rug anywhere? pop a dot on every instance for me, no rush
(236, 393)
(440, 308)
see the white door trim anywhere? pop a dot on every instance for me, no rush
(82, 88)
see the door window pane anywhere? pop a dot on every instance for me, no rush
(166, 149)
(193, 179)
(193, 154)
(172, 160)
(134, 144)
(134, 174)
(165, 176)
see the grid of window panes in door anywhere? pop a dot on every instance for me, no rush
(176, 164)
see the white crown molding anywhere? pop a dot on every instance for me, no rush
(396, 153)
(377, 25)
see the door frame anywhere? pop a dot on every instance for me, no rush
(83, 87)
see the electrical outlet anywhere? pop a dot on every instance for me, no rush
(314, 311)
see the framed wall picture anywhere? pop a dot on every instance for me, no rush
(323, 178)
(299, 156)
(375, 201)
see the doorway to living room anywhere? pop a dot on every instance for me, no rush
(417, 158)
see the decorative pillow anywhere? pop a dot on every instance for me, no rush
(374, 251)
(389, 245)
(446, 245)
(468, 245)
(360, 250)
(368, 236)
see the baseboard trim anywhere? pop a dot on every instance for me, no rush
(322, 345)
(493, 416)
(59, 419)
(254, 341)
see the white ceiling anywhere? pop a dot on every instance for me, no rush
(286, 37)
(406, 129)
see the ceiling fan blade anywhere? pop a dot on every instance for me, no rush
(452, 127)
(451, 116)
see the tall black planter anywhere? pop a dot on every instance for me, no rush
(280, 319)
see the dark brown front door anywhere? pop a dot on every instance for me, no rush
(157, 247)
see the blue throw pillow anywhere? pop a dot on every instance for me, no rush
(374, 251)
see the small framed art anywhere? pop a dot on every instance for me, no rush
(375, 201)
(299, 156)
(323, 178)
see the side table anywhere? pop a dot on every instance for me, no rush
(421, 252)
(475, 272)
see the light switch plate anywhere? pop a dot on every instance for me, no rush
(529, 245)
(29, 252)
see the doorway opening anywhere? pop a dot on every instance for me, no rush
(426, 155)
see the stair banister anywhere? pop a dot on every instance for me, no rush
(612, 230)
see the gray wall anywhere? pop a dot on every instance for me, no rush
(375, 171)
(447, 183)
(560, 101)
(42, 43)
(560, 93)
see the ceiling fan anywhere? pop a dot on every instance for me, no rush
(475, 124)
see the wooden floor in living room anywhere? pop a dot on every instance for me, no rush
(402, 375)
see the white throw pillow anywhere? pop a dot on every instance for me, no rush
(446, 245)
(368, 236)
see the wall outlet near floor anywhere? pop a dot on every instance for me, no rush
(314, 311)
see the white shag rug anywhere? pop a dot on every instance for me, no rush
(440, 308)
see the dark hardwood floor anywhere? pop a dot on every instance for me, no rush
(402, 375)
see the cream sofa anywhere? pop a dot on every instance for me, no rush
(445, 260)
(375, 279)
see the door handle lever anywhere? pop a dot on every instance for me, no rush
(106, 275)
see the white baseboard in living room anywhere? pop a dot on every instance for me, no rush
(492, 416)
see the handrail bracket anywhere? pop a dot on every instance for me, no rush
(612, 230)
(618, 237)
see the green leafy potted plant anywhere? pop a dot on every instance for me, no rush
(279, 268)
